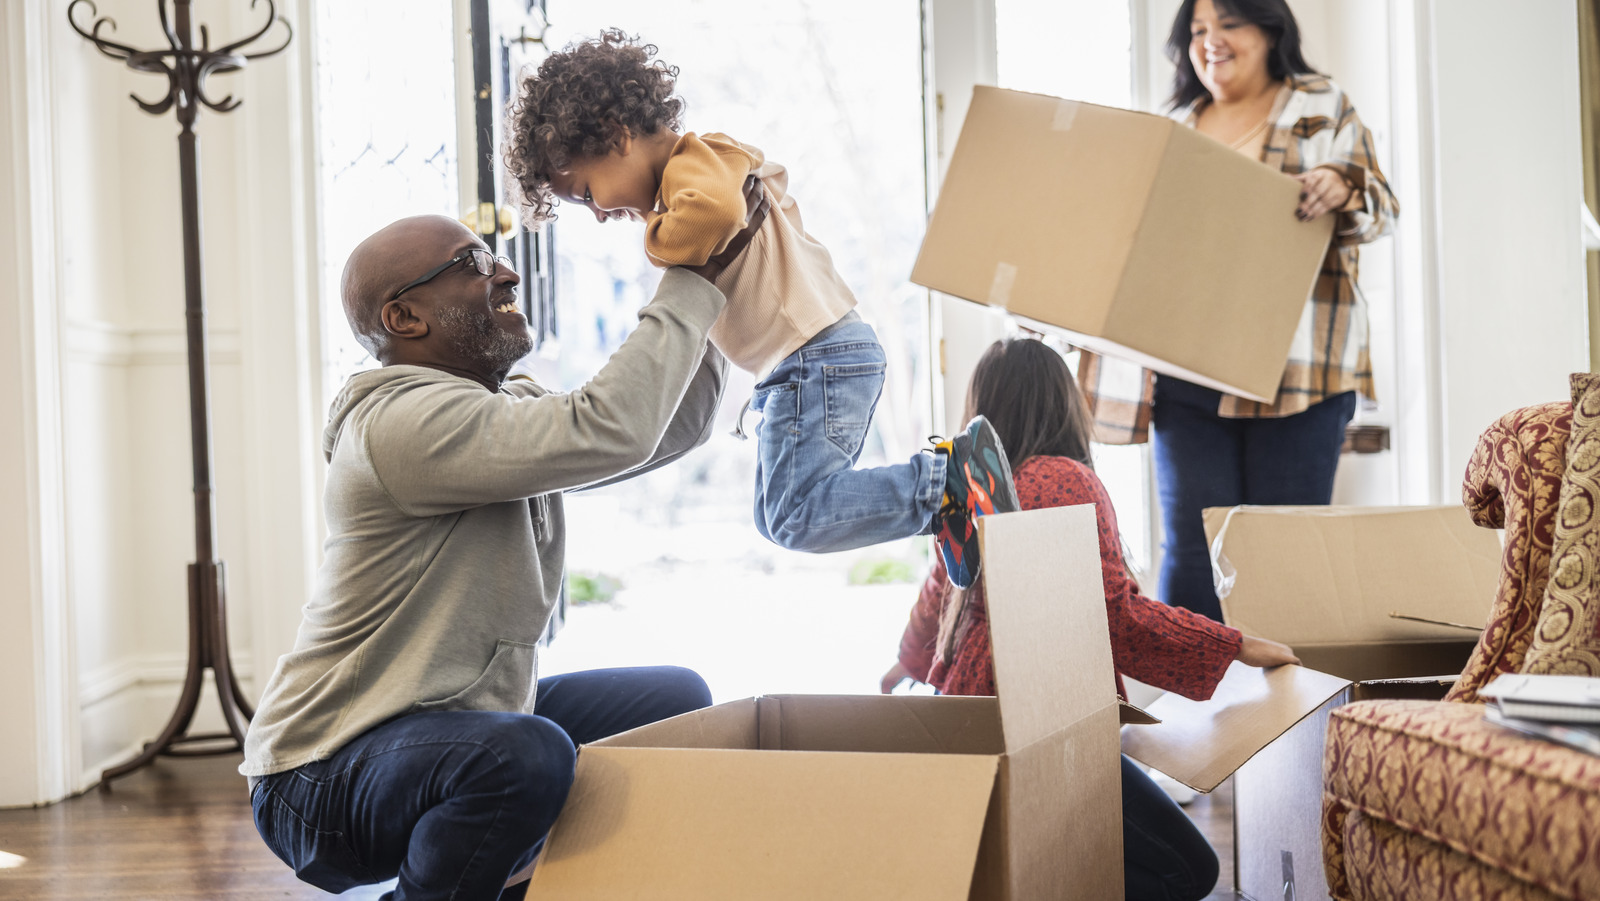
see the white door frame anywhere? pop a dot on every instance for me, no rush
(39, 748)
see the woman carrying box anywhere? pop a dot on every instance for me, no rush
(1242, 80)
(1029, 396)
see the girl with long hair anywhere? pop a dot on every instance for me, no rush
(1029, 396)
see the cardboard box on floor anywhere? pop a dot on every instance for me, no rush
(1011, 798)
(1142, 238)
(1323, 580)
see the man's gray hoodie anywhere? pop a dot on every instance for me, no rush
(446, 536)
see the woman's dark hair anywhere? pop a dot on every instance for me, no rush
(1273, 17)
(1028, 394)
(577, 104)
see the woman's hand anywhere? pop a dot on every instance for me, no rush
(1255, 651)
(1321, 190)
(892, 679)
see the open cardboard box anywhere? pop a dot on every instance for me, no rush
(1139, 237)
(1324, 580)
(1015, 797)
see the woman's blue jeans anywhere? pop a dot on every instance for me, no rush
(455, 802)
(1205, 460)
(815, 407)
(1164, 857)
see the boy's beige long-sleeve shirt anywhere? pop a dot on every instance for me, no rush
(783, 289)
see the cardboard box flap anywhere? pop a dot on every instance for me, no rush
(1047, 624)
(1332, 575)
(1109, 348)
(778, 825)
(905, 724)
(1132, 714)
(1201, 743)
(729, 725)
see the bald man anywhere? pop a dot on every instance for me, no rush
(406, 734)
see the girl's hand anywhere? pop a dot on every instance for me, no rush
(1255, 651)
(892, 679)
(1321, 190)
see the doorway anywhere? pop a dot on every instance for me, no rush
(669, 568)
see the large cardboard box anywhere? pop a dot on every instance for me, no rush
(1015, 797)
(1324, 580)
(1140, 237)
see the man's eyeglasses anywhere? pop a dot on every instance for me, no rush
(482, 260)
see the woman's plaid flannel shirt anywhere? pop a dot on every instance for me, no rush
(1314, 125)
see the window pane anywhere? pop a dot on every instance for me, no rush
(1079, 49)
(386, 142)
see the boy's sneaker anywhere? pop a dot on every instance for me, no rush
(977, 482)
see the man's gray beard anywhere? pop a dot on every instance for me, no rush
(475, 336)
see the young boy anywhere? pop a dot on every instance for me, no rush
(598, 125)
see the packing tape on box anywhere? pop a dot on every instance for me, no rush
(1223, 575)
(1066, 111)
(1005, 276)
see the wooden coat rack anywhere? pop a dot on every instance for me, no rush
(187, 67)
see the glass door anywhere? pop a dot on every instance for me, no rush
(669, 568)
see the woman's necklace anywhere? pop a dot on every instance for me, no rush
(1250, 135)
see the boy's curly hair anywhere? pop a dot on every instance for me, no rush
(577, 104)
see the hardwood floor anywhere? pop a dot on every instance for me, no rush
(1213, 813)
(178, 829)
(181, 829)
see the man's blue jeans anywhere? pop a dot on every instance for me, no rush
(1205, 460)
(815, 409)
(455, 802)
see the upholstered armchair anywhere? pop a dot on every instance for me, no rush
(1425, 800)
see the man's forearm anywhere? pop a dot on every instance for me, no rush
(691, 425)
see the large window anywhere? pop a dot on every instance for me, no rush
(386, 140)
(832, 89)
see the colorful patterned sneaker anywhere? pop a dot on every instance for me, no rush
(991, 488)
(977, 483)
(954, 534)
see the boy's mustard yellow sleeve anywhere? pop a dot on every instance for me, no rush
(702, 195)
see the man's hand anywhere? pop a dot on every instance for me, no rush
(755, 204)
(892, 679)
(1255, 651)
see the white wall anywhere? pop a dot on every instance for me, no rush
(1509, 275)
(1478, 300)
(104, 310)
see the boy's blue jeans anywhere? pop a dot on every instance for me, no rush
(455, 802)
(816, 407)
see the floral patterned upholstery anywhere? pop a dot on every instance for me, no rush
(1428, 800)
(1403, 866)
(1514, 482)
(1566, 640)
